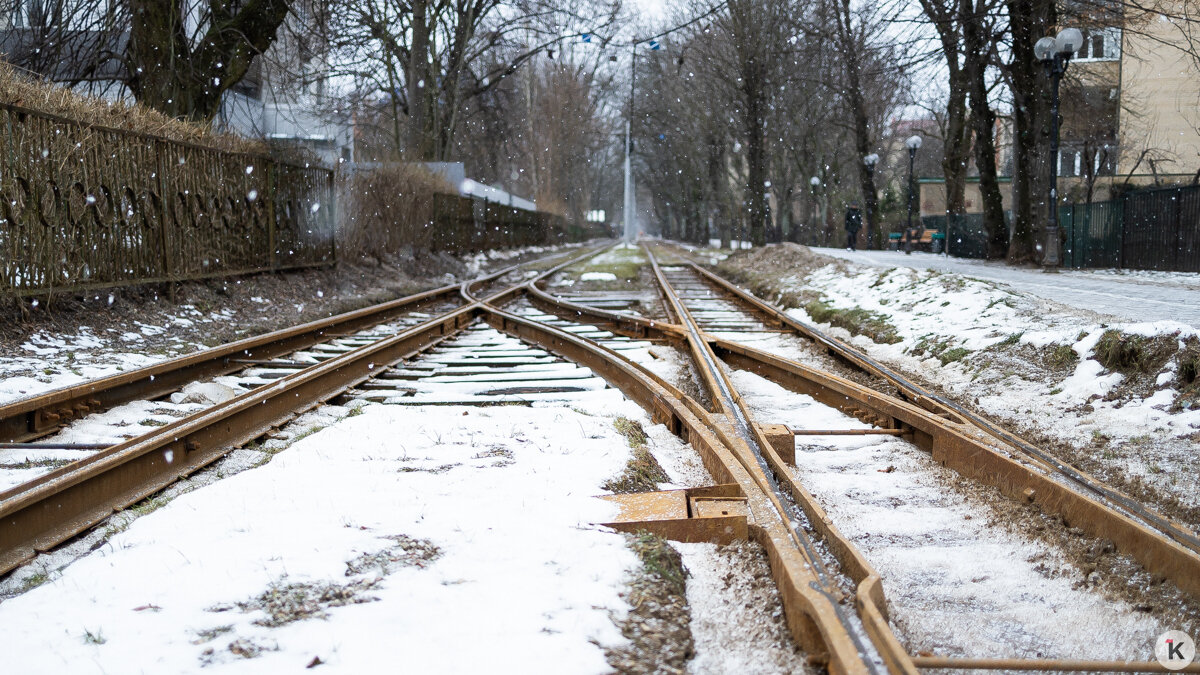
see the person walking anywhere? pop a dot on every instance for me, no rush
(853, 225)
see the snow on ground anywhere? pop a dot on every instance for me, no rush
(1132, 295)
(504, 493)
(597, 276)
(477, 263)
(956, 586)
(953, 330)
(45, 361)
(737, 623)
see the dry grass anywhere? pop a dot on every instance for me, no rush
(659, 625)
(642, 473)
(19, 89)
(388, 209)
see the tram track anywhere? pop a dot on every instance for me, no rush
(49, 509)
(506, 339)
(920, 418)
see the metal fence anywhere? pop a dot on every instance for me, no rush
(1092, 234)
(470, 224)
(88, 207)
(1155, 229)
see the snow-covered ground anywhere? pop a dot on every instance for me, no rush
(1132, 295)
(442, 538)
(957, 584)
(1026, 361)
(503, 493)
(48, 361)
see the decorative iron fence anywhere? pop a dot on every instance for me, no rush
(88, 207)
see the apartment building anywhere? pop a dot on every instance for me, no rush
(1130, 100)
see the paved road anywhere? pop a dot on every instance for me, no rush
(1132, 296)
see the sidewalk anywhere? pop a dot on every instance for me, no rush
(1130, 295)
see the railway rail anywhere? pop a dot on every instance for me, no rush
(341, 353)
(505, 337)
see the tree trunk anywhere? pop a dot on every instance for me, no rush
(851, 53)
(757, 209)
(947, 19)
(716, 166)
(166, 73)
(419, 146)
(976, 47)
(1029, 21)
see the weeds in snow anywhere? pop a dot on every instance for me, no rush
(285, 603)
(642, 472)
(857, 320)
(406, 552)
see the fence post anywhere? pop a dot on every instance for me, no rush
(331, 214)
(269, 188)
(164, 231)
(1119, 206)
(1178, 229)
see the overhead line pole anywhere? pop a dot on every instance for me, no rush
(630, 214)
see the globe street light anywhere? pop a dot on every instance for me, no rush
(913, 144)
(1055, 53)
(870, 161)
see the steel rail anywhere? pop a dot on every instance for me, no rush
(955, 412)
(809, 612)
(54, 507)
(949, 437)
(929, 429)
(798, 508)
(44, 414)
(625, 324)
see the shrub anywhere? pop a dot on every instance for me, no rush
(387, 209)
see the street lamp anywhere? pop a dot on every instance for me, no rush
(815, 182)
(913, 144)
(1055, 53)
(870, 161)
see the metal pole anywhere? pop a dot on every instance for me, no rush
(1052, 256)
(912, 156)
(869, 211)
(630, 198)
(908, 242)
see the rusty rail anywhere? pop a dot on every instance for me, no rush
(1096, 490)
(50, 509)
(815, 588)
(42, 415)
(941, 427)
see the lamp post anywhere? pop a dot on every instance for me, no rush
(1055, 53)
(815, 182)
(913, 144)
(630, 201)
(870, 161)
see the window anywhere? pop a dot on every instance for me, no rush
(1100, 44)
(1073, 160)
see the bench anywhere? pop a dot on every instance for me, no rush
(924, 243)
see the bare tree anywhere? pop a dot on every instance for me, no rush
(177, 56)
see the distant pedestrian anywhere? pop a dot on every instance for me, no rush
(853, 225)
